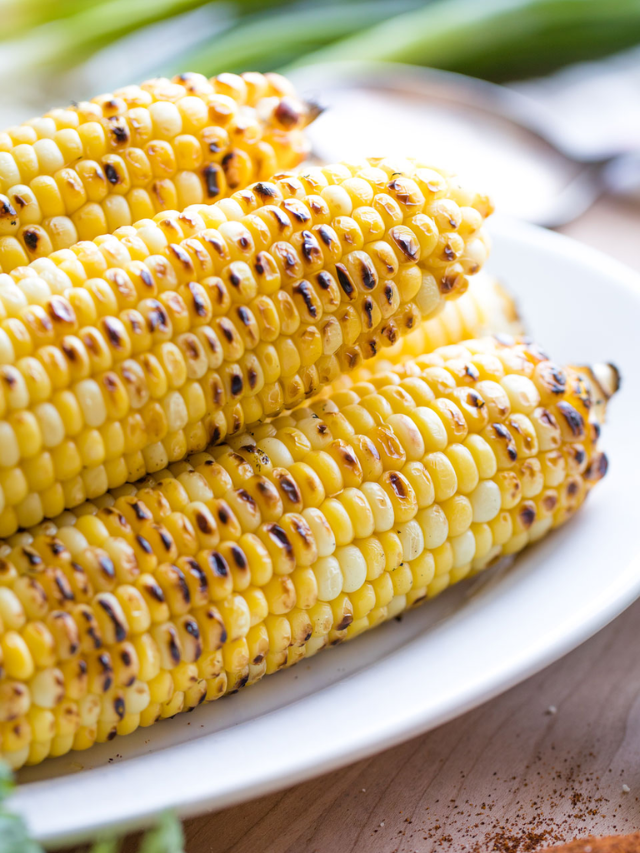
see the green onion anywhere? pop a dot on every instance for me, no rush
(265, 41)
(497, 38)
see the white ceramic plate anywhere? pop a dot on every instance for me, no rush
(456, 652)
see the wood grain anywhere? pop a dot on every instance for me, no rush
(545, 762)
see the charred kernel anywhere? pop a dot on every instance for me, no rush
(345, 282)
(572, 418)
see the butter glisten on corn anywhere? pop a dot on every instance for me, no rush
(295, 536)
(122, 355)
(82, 171)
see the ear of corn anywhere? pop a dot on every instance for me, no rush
(83, 171)
(120, 356)
(303, 533)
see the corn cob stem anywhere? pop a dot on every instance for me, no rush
(81, 172)
(121, 356)
(305, 532)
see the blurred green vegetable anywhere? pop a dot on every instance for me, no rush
(497, 39)
(14, 837)
(166, 837)
(267, 41)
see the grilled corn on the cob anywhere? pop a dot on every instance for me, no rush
(303, 533)
(123, 355)
(79, 172)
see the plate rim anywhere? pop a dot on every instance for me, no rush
(622, 593)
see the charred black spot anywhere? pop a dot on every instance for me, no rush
(174, 649)
(252, 376)
(449, 253)
(119, 129)
(245, 497)
(199, 305)
(471, 371)
(266, 190)
(155, 591)
(448, 282)
(110, 383)
(241, 682)
(503, 433)
(279, 535)
(287, 113)
(210, 174)
(547, 418)
(324, 280)
(238, 557)
(111, 173)
(368, 276)
(367, 307)
(579, 455)
(344, 623)
(572, 416)
(397, 485)
(325, 235)
(259, 263)
(345, 281)
(181, 584)
(559, 383)
(549, 502)
(297, 210)
(527, 515)
(203, 524)
(157, 318)
(597, 468)
(31, 238)
(310, 248)
(281, 218)
(289, 258)
(572, 488)
(59, 309)
(125, 657)
(112, 733)
(165, 538)
(306, 292)
(407, 245)
(63, 587)
(290, 490)
(244, 316)
(144, 545)
(32, 557)
(191, 627)
(236, 385)
(218, 565)
(146, 277)
(227, 329)
(113, 333)
(475, 400)
(118, 627)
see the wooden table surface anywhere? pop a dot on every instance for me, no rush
(554, 758)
